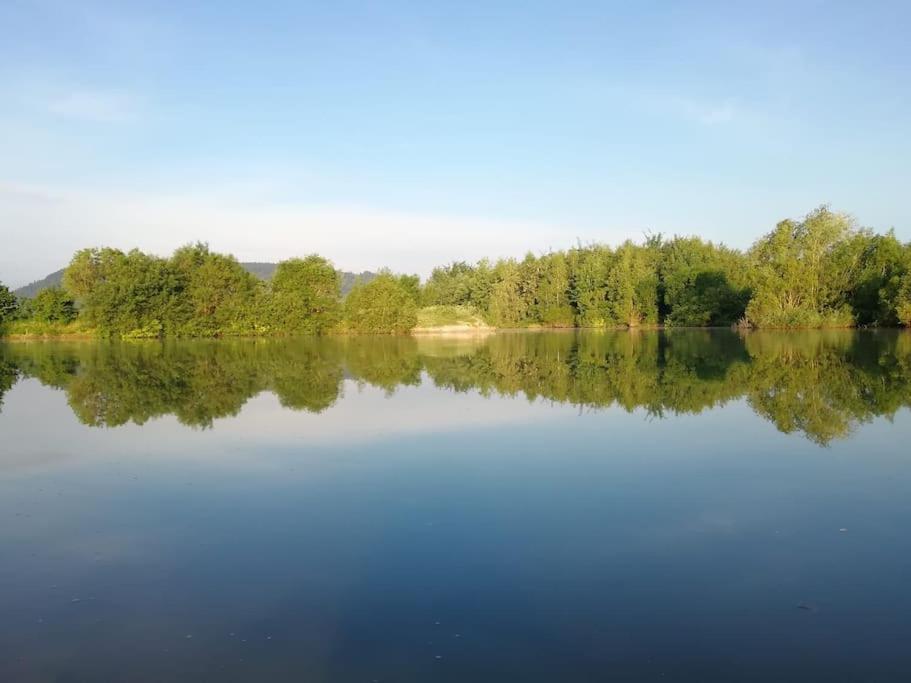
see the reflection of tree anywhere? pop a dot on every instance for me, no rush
(824, 384)
(8, 376)
(681, 371)
(304, 376)
(819, 384)
(382, 361)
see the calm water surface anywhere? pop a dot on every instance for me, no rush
(687, 506)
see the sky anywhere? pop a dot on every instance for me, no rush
(410, 134)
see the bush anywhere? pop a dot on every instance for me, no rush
(382, 306)
(53, 305)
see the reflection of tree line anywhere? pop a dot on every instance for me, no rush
(820, 384)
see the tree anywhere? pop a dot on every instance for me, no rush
(697, 283)
(552, 301)
(412, 285)
(305, 296)
(507, 306)
(884, 264)
(903, 301)
(122, 294)
(449, 285)
(9, 304)
(589, 269)
(382, 306)
(212, 294)
(53, 305)
(632, 286)
(820, 271)
(803, 272)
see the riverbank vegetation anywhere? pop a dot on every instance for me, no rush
(449, 318)
(820, 271)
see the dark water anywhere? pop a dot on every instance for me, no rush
(689, 506)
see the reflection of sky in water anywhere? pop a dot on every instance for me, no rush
(549, 543)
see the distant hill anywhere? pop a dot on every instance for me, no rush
(261, 270)
(31, 289)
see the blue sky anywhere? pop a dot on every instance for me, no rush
(406, 134)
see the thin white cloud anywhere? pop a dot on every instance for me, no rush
(97, 106)
(45, 225)
(669, 103)
(723, 113)
(705, 112)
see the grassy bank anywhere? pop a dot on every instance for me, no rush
(434, 319)
(32, 329)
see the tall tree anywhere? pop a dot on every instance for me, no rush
(589, 269)
(9, 304)
(632, 286)
(53, 305)
(903, 301)
(884, 263)
(701, 283)
(122, 294)
(507, 306)
(802, 272)
(214, 294)
(382, 306)
(305, 296)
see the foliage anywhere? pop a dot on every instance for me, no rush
(903, 301)
(803, 272)
(877, 293)
(213, 294)
(305, 296)
(820, 271)
(819, 384)
(450, 285)
(632, 286)
(700, 283)
(52, 305)
(124, 294)
(29, 327)
(9, 375)
(589, 269)
(507, 305)
(385, 305)
(9, 304)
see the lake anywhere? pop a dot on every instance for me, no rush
(555, 506)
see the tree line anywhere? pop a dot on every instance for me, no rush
(820, 271)
(820, 384)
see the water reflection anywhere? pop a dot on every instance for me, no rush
(818, 384)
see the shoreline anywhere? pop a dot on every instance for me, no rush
(443, 331)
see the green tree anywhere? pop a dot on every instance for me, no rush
(305, 296)
(122, 294)
(9, 304)
(552, 302)
(507, 305)
(589, 269)
(803, 272)
(699, 283)
(52, 305)
(412, 285)
(382, 306)
(884, 263)
(449, 285)
(903, 301)
(211, 294)
(632, 286)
